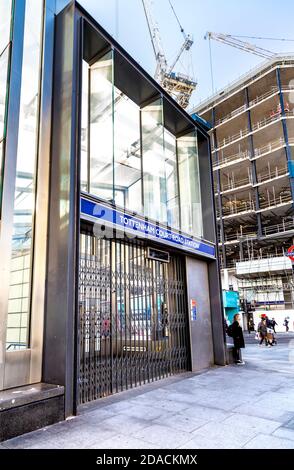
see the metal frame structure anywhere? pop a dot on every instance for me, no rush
(230, 111)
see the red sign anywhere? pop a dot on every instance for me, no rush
(291, 253)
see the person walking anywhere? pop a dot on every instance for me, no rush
(286, 324)
(237, 335)
(262, 330)
(251, 325)
(274, 324)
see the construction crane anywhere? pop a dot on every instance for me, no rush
(178, 85)
(233, 41)
(238, 43)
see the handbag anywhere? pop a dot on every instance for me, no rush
(257, 336)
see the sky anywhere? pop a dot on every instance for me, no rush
(126, 22)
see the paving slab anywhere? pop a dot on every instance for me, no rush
(205, 442)
(264, 441)
(251, 424)
(223, 408)
(205, 413)
(284, 433)
(290, 424)
(182, 422)
(163, 436)
(222, 434)
(124, 442)
(124, 424)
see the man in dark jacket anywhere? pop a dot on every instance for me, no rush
(237, 334)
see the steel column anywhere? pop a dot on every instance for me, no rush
(285, 130)
(253, 163)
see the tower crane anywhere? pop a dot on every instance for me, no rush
(238, 43)
(233, 41)
(178, 85)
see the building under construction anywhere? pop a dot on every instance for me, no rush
(252, 141)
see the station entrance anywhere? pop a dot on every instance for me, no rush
(133, 315)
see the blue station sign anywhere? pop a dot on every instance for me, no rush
(133, 226)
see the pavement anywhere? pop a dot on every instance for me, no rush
(247, 406)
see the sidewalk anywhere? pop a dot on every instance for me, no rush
(234, 407)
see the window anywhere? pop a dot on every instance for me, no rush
(191, 213)
(24, 200)
(101, 128)
(154, 168)
(5, 22)
(172, 187)
(130, 159)
(127, 153)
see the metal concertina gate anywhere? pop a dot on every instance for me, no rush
(133, 317)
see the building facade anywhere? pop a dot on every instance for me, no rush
(109, 274)
(252, 151)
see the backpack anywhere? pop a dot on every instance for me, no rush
(230, 330)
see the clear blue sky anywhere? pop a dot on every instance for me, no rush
(266, 18)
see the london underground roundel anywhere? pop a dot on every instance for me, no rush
(291, 253)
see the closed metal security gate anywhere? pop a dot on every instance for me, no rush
(132, 317)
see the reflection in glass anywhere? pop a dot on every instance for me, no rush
(24, 201)
(191, 213)
(85, 128)
(4, 58)
(135, 162)
(127, 153)
(5, 22)
(154, 171)
(171, 168)
(5, 19)
(101, 127)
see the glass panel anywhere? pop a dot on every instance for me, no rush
(4, 58)
(5, 19)
(191, 212)
(154, 168)
(101, 128)
(24, 202)
(171, 167)
(85, 128)
(127, 153)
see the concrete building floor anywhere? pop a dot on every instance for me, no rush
(234, 407)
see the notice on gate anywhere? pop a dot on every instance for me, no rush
(193, 310)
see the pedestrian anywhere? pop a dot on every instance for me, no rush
(286, 324)
(251, 325)
(262, 330)
(274, 324)
(237, 335)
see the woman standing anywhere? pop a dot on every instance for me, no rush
(237, 335)
(262, 330)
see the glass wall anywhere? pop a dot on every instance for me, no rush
(191, 213)
(85, 129)
(25, 186)
(101, 128)
(172, 187)
(127, 153)
(5, 26)
(129, 157)
(154, 171)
